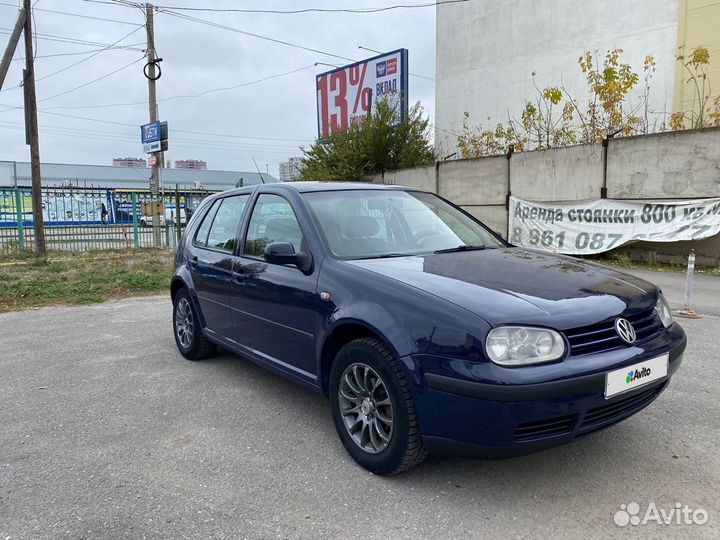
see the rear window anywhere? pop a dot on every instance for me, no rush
(202, 232)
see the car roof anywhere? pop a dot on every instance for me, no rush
(306, 187)
(311, 187)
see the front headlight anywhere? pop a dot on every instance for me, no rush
(663, 309)
(519, 346)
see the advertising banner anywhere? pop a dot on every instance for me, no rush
(587, 227)
(58, 207)
(70, 208)
(346, 95)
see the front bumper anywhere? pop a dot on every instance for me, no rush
(465, 415)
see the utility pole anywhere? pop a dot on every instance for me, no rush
(152, 102)
(31, 133)
(11, 46)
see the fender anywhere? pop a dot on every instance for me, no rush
(385, 324)
(183, 276)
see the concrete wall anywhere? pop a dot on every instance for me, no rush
(671, 165)
(574, 173)
(474, 182)
(675, 164)
(417, 177)
(487, 51)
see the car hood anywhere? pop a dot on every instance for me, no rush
(514, 285)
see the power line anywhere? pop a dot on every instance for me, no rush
(304, 10)
(267, 38)
(235, 87)
(92, 82)
(135, 126)
(80, 86)
(133, 137)
(116, 3)
(74, 15)
(92, 55)
(251, 34)
(62, 39)
(79, 53)
(194, 146)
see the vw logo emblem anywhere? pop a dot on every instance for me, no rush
(625, 330)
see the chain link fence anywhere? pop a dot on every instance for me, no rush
(84, 219)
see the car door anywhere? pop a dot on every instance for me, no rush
(211, 259)
(273, 306)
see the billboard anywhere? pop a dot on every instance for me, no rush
(346, 95)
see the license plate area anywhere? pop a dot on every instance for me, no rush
(635, 376)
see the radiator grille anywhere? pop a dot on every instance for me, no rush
(602, 336)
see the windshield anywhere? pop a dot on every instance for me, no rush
(365, 224)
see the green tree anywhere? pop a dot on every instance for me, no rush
(380, 143)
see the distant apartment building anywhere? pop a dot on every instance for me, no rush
(196, 164)
(129, 162)
(291, 169)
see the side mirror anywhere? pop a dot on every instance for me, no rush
(281, 253)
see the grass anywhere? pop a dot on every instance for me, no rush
(84, 278)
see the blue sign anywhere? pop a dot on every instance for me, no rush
(151, 132)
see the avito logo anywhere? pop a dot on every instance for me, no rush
(637, 374)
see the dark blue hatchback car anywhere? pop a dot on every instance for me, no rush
(427, 331)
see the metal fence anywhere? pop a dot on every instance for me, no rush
(83, 219)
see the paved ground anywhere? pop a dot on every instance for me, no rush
(107, 432)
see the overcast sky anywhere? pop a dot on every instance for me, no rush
(197, 58)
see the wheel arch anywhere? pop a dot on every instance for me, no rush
(342, 333)
(180, 282)
(176, 284)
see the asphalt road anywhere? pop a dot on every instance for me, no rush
(107, 432)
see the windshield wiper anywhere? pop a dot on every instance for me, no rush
(461, 247)
(382, 256)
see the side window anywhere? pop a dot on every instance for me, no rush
(202, 232)
(225, 225)
(272, 220)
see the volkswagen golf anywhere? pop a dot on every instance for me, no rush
(426, 331)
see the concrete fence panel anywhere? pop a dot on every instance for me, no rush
(573, 173)
(474, 182)
(665, 165)
(417, 177)
(495, 217)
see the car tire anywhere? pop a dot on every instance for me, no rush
(372, 404)
(189, 337)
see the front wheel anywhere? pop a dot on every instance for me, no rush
(189, 337)
(373, 409)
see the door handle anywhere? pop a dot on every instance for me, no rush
(194, 262)
(238, 276)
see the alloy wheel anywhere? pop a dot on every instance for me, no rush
(366, 408)
(184, 323)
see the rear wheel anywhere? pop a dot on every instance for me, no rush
(189, 338)
(373, 409)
